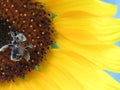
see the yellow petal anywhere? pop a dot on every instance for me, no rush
(108, 29)
(88, 28)
(92, 6)
(66, 71)
(103, 55)
(81, 31)
(79, 63)
(78, 67)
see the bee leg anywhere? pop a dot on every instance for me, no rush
(27, 55)
(15, 60)
(12, 35)
(14, 57)
(2, 49)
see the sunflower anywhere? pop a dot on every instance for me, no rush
(70, 28)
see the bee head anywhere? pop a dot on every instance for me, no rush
(20, 37)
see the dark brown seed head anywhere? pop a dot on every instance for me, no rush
(31, 19)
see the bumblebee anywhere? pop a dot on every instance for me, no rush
(18, 47)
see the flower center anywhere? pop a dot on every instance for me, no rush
(25, 36)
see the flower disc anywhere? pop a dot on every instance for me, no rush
(34, 22)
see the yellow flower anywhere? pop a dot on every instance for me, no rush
(82, 56)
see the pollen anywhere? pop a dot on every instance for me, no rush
(31, 26)
(21, 14)
(33, 40)
(38, 37)
(13, 21)
(7, 0)
(9, 27)
(6, 9)
(31, 19)
(16, 10)
(38, 53)
(43, 33)
(24, 6)
(40, 25)
(25, 14)
(35, 46)
(34, 30)
(33, 13)
(29, 35)
(24, 21)
(12, 5)
(7, 20)
(23, 30)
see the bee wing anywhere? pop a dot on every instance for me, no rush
(2, 49)
(30, 46)
(27, 55)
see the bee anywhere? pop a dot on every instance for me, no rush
(18, 47)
